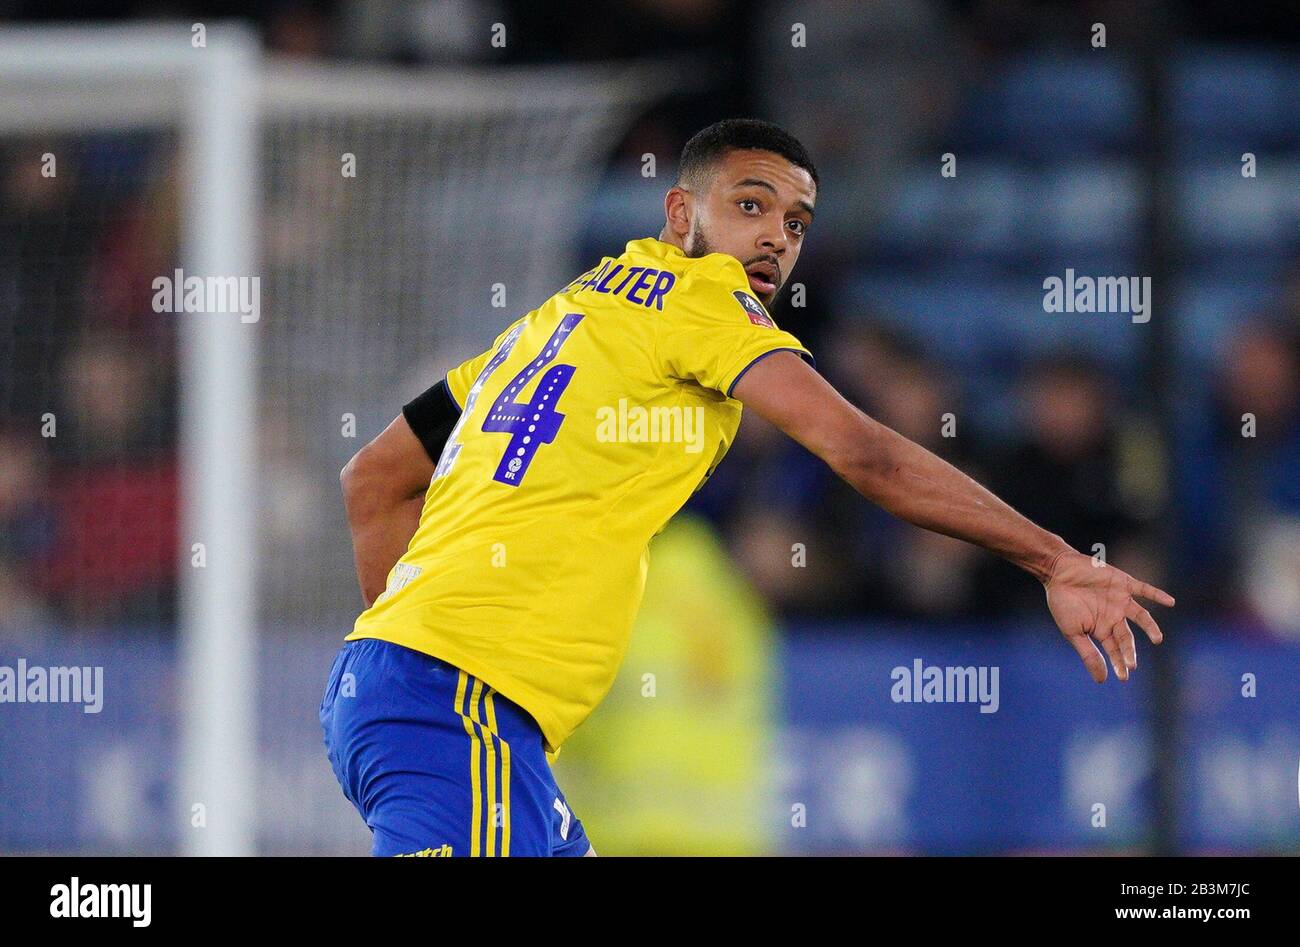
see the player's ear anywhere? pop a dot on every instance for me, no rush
(677, 211)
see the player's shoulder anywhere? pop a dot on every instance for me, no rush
(702, 281)
(717, 287)
(515, 327)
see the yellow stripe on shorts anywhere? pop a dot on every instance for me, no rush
(476, 789)
(505, 774)
(490, 810)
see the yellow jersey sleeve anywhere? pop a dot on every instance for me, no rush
(718, 328)
(461, 378)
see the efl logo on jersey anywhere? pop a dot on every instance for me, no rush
(754, 309)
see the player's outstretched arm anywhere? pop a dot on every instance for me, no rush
(383, 490)
(1089, 602)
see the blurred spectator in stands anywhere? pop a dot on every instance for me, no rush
(891, 68)
(1068, 473)
(137, 236)
(892, 567)
(1257, 454)
(27, 527)
(42, 261)
(302, 29)
(862, 357)
(24, 616)
(765, 499)
(115, 489)
(297, 510)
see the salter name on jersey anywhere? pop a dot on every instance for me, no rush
(639, 285)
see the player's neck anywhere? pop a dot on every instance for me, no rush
(667, 236)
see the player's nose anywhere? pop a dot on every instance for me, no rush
(773, 241)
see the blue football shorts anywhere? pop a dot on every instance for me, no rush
(437, 762)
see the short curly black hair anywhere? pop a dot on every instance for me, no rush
(709, 144)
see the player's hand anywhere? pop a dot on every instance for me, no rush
(1094, 603)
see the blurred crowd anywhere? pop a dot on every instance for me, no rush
(1079, 461)
(88, 480)
(89, 508)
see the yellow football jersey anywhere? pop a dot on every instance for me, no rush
(583, 429)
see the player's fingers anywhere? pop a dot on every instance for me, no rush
(1127, 644)
(1091, 657)
(1151, 592)
(1116, 658)
(1145, 622)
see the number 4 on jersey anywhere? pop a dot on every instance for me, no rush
(529, 424)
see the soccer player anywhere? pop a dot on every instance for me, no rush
(501, 522)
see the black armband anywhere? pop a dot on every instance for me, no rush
(431, 416)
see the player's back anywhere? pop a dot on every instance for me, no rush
(586, 425)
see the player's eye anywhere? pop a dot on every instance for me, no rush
(747, 201)
(799, 226)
